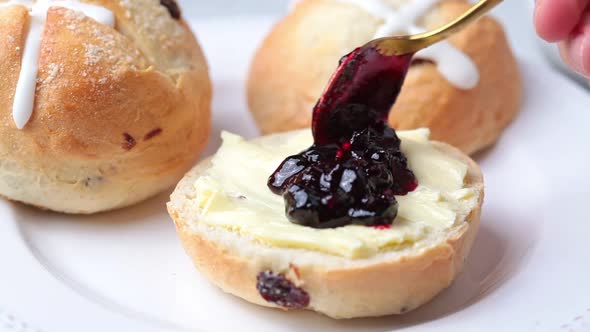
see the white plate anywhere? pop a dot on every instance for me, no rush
(125, 271)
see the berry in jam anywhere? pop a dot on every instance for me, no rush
(355, 168)
(277, 289)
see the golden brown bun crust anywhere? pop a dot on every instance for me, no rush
(295, 61)
(120, 114)
(368, 288)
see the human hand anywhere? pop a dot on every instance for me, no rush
(568, 23)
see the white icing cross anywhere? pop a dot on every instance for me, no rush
(453, 64)
(24, 97)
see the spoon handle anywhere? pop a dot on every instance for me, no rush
(400, 45)
(474, 13)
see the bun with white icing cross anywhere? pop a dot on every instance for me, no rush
(102, 103)
(466, 89)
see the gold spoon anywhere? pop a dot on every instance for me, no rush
(400, 45)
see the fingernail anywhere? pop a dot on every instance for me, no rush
(573, 53)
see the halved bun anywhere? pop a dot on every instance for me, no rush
(295, 61)
(391, 282)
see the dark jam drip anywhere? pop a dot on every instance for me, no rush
(355, 168)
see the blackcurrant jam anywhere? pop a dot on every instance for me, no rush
(354, 169)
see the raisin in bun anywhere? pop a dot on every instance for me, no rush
(392, 281)
(466, 92)
(121, 106)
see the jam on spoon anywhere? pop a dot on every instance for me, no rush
(354, 169)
